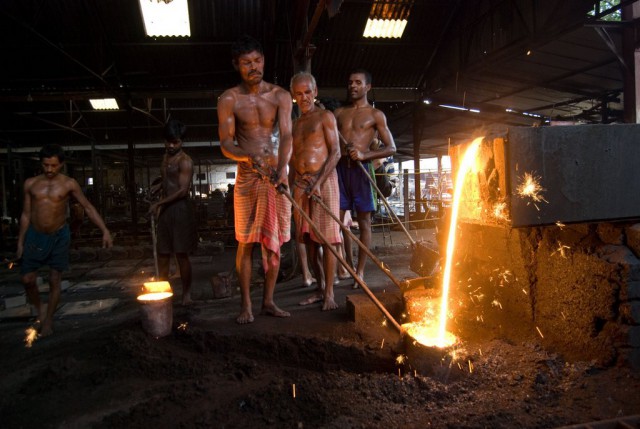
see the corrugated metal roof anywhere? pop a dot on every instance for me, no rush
(471, 53)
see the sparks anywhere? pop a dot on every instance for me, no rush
(560, 224)
(31, 336)
(382, 345)
(539, 332)
(294, 390)
(496, 303)
(183, 326)
(504, 276)
(470, 367)
(561, 250)
(530, 188)
(400, 359)
(500, 211)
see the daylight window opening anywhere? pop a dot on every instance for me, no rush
(165, 18)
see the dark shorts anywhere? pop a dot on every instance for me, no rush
(45, 249)
(356, 192)
(177, 229)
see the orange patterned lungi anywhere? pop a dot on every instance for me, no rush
(262, 215)
(330, 195)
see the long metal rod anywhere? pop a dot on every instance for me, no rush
(360, 244)
(284, 191)
(382, 197)
(155, 242)
(386, 203)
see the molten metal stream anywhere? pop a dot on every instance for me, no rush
(426, 332)
(466, 164)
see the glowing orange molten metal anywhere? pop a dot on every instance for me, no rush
(154, 291)
(424, 332)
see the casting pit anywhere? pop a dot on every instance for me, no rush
(548, 243)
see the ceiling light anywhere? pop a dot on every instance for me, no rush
(388, 18)
(385, 28)
(451, 106)
(165, 17)
(104, 104)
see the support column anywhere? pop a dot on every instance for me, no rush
(631, 55)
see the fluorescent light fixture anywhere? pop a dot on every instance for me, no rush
(104, 104)
(450, 106)
(165, 18)
(385, 28)
(388, 18)
(474, 110)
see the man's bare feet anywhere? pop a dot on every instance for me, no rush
(273, 310)
(316, 297)
(46, 328)
(329, 304)
(307, 282)
(245, 317)
(356, 285)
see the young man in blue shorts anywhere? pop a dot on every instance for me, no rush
(44, 235)
(358, 124)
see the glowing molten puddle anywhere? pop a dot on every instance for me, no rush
(429, 335)
(155, 296)
(424, 332)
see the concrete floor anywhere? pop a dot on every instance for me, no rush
(99, 293)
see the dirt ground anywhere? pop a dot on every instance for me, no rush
(313, 370)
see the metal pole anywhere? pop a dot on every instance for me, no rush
(407, 214)
(373, 257)
(386, 203)
(284, 191)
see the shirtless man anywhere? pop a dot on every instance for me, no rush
(44, 235)
(176, 221)
(357, 125)
(316, 152)
(247, 116)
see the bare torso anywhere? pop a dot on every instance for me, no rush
(172, 168)
(310, 150)
(357, 125)
(49, 199)
(255, 119)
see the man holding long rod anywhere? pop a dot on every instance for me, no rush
(316, 152)
(358, 124)
(248, 115)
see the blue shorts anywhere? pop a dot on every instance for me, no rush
(356, 192)
(45, 249)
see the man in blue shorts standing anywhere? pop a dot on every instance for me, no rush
(44, 235)
(358, 124)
